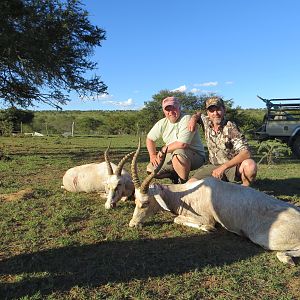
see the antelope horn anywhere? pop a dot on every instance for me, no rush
(109, 168)
(145, 185)
(135, 177)
(122, 162)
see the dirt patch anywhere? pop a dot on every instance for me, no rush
(20, 195)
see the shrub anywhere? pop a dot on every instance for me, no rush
(272, 150)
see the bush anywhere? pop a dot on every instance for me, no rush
(272, 150)
(6, 128)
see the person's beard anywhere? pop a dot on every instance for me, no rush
(217, 121)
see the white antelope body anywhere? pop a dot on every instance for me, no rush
(112, 181)
(265, 220)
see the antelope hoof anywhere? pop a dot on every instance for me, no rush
(110, 205)
(135, 225)
(283, 257)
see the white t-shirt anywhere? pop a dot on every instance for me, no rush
(176, 132)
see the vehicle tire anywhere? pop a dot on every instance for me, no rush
(296, 146)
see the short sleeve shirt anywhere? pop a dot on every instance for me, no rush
(224, 144)
(176, 132)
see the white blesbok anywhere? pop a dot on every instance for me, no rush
(110, 180)
(265, 220)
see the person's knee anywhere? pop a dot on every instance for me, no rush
(182, 166)
(249, 166)
(252, 168)
(180, 160)
(248, 171)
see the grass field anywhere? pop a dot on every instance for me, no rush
(57, 245)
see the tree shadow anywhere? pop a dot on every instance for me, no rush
(119, 261)
(277, 187)
(115, 155)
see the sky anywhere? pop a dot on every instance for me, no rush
(236, 49)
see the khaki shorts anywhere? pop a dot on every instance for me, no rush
(231, 174)
(195, 158)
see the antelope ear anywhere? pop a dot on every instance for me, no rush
(161, 202)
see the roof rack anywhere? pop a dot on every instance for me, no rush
(288, 105)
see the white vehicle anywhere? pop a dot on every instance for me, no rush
(282, 121)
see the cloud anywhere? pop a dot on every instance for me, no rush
(182, 88)
(210, 92)
(196, 91)
(210, 83)
(96, 97)
(104, 96)
(127, 103)
(229, 82)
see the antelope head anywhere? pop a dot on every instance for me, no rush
(115, 184)
(145, 203)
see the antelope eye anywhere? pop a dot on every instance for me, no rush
(144, 204)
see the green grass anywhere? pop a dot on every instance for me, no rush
(57, 245)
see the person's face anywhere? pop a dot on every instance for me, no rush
(172, 113)
(216, 114)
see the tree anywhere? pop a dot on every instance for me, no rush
(6, 128)
(45, 49)
(190, 103)
(15, 117)
(152, 111)
(88, 124)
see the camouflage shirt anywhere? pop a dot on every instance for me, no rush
(224, 144)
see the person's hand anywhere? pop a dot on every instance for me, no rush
(163, 150)
(159, 155)
(192, 124)
(155, 159)
(218, 172)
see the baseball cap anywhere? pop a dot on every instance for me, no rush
(170, 101)
(214, 101)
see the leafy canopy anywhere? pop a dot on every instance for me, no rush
(45, 48)
(153, 109)
(189, 104)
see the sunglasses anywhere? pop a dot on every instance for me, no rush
(214, 108)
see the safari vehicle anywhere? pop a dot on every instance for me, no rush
(282, 121)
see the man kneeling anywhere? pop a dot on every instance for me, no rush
(229, 152)
(185, 149)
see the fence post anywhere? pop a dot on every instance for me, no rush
(72, 131)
